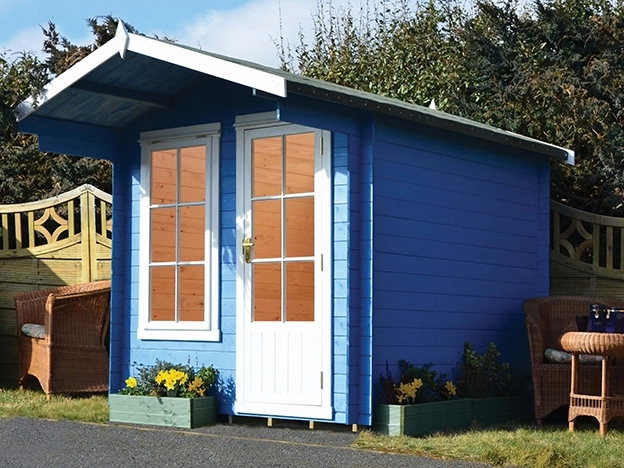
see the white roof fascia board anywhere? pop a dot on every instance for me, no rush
(569, 154)
(73, 74)
(123, 37)
(207, 64)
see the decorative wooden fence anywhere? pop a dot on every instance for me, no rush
(53, 242)
(587, 253)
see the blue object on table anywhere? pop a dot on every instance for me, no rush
(614, 320)
(597, 318)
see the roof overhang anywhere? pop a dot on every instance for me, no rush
(132, 74)
(76, 77)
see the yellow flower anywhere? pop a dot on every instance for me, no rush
(407, 392)
(162, 375)
(196, 386)
(171, 378)
(451, 388)
(131, 382)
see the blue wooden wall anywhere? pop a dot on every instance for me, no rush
(460, 240)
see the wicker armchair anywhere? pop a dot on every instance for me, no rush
(547, 318)
(69, 353)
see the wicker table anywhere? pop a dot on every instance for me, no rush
(605, 406)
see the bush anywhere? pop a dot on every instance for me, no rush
(483, 376)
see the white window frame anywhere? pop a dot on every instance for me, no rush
(175, 138)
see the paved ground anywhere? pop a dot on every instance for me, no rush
(35, 443)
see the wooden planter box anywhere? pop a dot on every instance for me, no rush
(493, 411)
(422, 418)
(427, 418)
(162, 411)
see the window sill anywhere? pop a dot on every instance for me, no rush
(178, 335)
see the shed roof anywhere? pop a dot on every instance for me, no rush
(131, 75)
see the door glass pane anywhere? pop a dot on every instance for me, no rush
(164, 177)
(300, 163)
(192, 293)
(300, 227)
(267, 229)
(193, 174)
(300, 292)
(162, 300)
(192, 228)
(163, 234)
(267, 166)
(267, 291)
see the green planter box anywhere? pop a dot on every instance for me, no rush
(162, 411)
(422, 418)
(426, 418)
(493, 411)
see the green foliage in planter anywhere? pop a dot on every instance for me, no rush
(484, 376)
(432, 386)
(476, 376)
(151, 381)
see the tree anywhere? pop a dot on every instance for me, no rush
(556, 73)
(23, 169)
(393, 50)
(26, 174)
(553, 70)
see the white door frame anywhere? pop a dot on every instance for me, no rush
(265, 125)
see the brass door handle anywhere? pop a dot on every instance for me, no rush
(247, 245)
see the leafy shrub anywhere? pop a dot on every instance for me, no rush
(476, 376)
(483, 375)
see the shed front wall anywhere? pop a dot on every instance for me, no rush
(460, 240)
(203, 106)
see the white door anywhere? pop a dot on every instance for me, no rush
(284, 277)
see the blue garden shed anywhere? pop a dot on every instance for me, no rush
(294, 233)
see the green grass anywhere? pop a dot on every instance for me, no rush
(525, 446)
(33, 404)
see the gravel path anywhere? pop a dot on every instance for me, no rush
(31, 443)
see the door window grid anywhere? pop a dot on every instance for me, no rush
(286, 298)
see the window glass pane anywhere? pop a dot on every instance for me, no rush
(267, 290)
(164, 177)
(300, 163)
(162, 286)
(267, 166)
(192, 231)
(192, 293)
(163, 234)
(193, 174)
(300, 227)
(267, 229)
(299, 292)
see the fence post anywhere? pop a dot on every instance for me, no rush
(88, 235)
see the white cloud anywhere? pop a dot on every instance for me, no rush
(248, 32)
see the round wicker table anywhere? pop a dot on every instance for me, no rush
(605, 406)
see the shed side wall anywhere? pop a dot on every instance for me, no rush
(461, 239)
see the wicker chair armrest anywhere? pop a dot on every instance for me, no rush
(80, 319)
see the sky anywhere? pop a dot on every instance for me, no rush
(243, 29)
